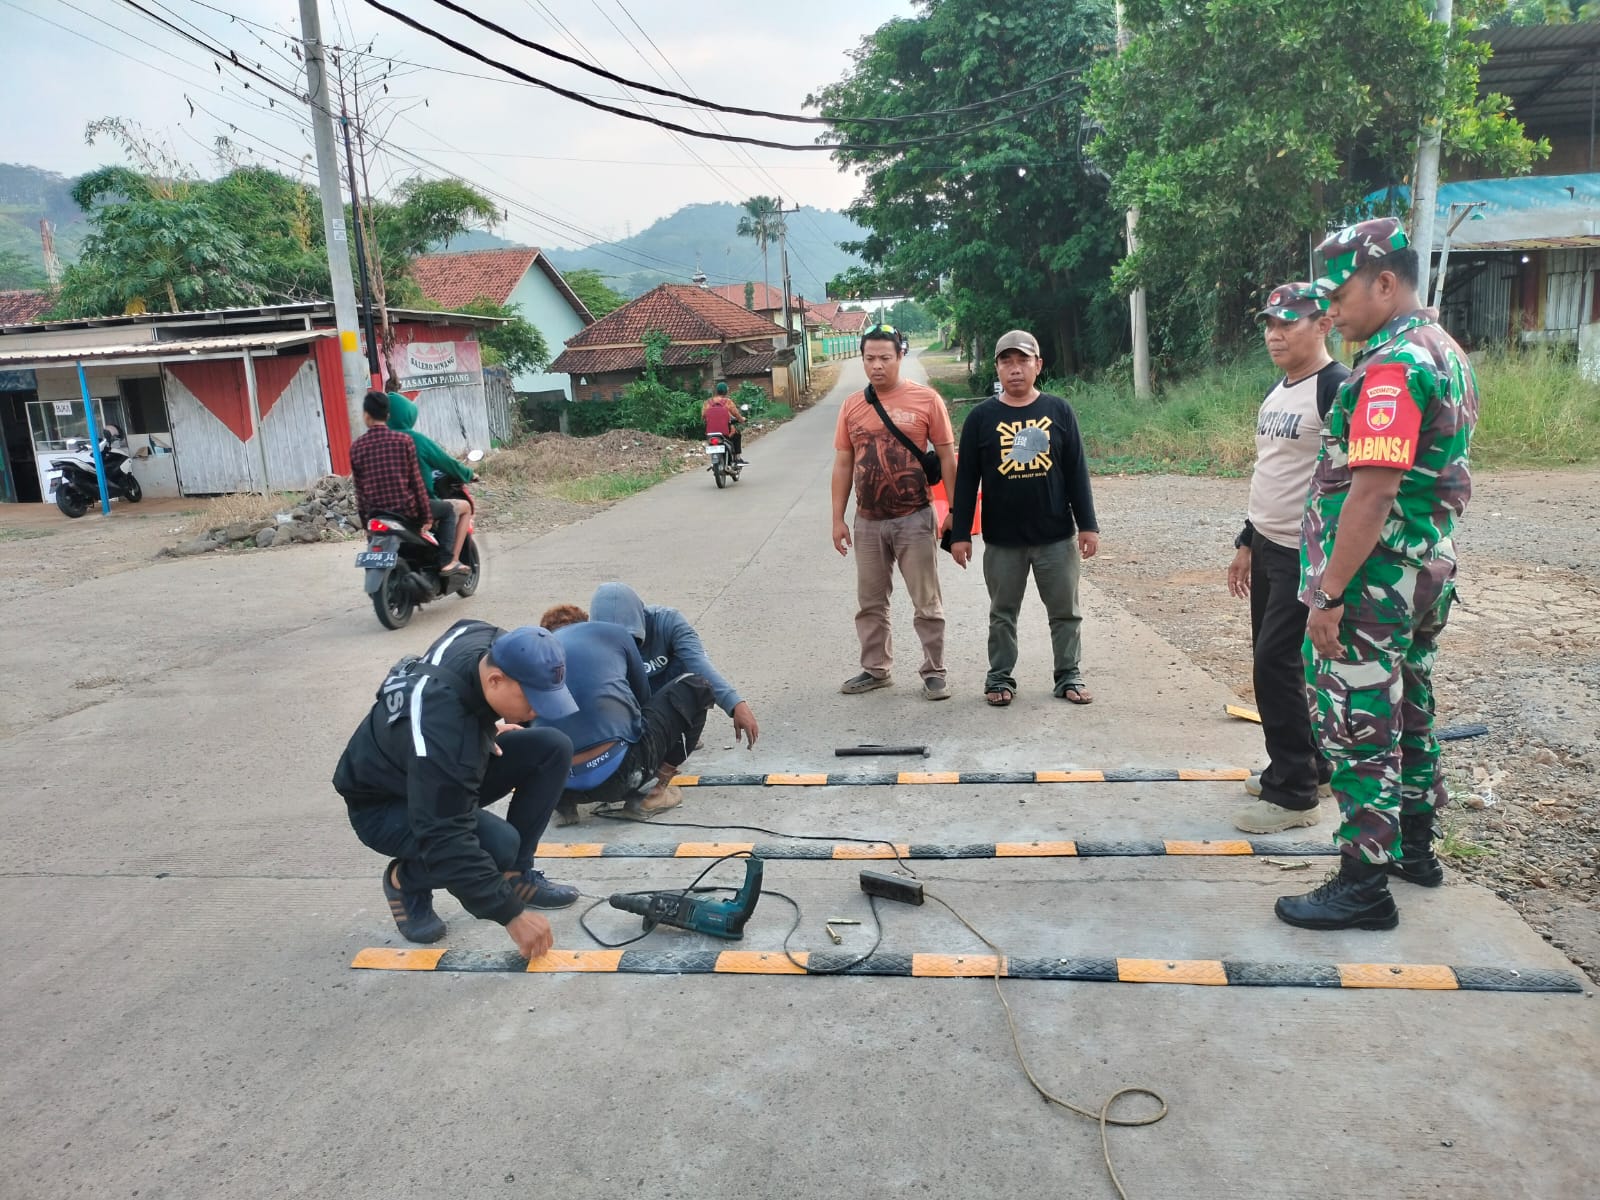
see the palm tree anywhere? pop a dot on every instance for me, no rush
(763, 221)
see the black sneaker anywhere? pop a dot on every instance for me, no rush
(412, 911)
(535, 891)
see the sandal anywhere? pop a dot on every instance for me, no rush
(998, 697)
(1075, 693)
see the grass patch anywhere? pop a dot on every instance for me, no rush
(241, 506)
(1455, 844)
(613, 485)
(23, 535)
(1536, 410)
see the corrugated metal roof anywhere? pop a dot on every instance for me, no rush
(1547, 71)
(161, 351)
(1536, 211)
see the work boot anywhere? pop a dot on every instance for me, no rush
(657, 800)
(1356, 896)
(1252, 787)
(1266, 817)
(535, 891)
(412, 911)
(1417, 862)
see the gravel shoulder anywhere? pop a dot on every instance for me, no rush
(1521, 655)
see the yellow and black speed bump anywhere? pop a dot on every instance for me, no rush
(1195, 972)
(1081, 848)
(930, 778)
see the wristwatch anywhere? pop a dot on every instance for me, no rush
(1321, 599)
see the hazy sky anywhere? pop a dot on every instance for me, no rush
(575, 174)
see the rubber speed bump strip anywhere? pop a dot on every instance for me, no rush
(1193, 972)
(1081, 848)
(937, 778)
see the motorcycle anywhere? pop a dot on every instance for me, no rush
(725, 465)
(76, 484)
(402, 563)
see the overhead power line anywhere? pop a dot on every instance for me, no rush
(733, 110)
(824, 147)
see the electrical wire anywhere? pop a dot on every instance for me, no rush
(1103, 1117)
(824, 147)
(732, 110)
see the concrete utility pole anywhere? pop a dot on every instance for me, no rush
(1136, 302)
(1425, 183)
(799, 376)
(344, 289)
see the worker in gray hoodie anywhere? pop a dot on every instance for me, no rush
(671, 649)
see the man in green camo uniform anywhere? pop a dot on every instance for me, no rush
(1378, 572)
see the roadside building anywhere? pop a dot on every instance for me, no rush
(710, 339)
(223, 401)
(521, 277)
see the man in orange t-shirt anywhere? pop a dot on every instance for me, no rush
(894, 523)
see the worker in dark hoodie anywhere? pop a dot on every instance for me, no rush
(448, 515)
(671, 649)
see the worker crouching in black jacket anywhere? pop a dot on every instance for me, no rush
(441, 742)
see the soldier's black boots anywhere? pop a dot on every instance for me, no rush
(1417, 862)
(1355, 897)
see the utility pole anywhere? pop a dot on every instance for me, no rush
(1425, 183)
(1137, 312)
(361, 247)
(47, 240)
(788, 318)
(333, 227)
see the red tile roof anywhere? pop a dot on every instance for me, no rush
(454, 281)
(850, 320)
(684, 313)
(18, 308)
(765, 297)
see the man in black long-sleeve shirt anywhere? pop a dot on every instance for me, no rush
(1024, 448)
(439, 744)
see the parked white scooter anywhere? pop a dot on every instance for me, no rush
(73, 477)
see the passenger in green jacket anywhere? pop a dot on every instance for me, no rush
(433, 457)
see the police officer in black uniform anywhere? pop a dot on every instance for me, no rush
(444, 739)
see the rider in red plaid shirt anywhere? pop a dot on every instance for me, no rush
(384, 468)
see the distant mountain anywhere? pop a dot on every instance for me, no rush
(704, 234)
(27, 195)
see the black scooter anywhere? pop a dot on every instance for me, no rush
(402, 565)
(78, 486)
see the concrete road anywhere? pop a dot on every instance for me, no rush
(183, 897)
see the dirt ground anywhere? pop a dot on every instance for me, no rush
(1521, 655)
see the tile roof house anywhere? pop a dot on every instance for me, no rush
(712, 338)
(765, 299)
(18, 308)
(521, 277)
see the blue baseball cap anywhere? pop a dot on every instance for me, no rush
(535, 659)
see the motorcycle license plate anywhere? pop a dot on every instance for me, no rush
(715, 451)
(377, 559)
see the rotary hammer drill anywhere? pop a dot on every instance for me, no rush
(697, 913)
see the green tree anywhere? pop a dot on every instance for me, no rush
(154, 245)
(161, 238)
(910, 316)
(749, 295)
(1548, 12)
(1241, 129)
(762, 221)
(1002, 218)
(18, 272)
(590, 286)
(515, 345)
